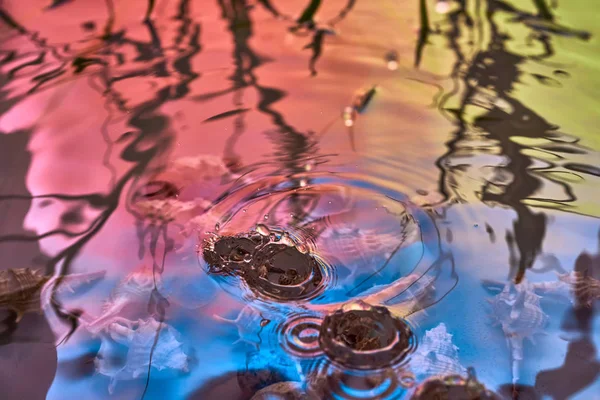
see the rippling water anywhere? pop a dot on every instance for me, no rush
(299, 199)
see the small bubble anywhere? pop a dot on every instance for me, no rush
(442, 7)
(392, 65)
(302, 182)
(329, 202)
(266, 216)
(244, 210)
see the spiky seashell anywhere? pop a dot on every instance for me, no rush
(436, 355)
(170, 209)
(584, 289)
(517, 309)
(185, 170)
(130, 297)
(128, 347)
(282, 391)
(249, 322)
(22, 289)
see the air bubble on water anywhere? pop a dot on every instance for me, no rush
(263, 229)
(442, 7)
(391, 59)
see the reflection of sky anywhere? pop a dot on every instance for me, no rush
(68, 154)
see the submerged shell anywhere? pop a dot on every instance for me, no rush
(20, 289)
(170, 209)
(28, 290)
(128, 299)
(127, 347)
(249, 322)
(517, 309)
(436, 355)
(282, 391)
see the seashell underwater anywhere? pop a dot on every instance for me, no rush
(282, 391)
(129, 299)
(436, 355)
(518, 311)
(25, 289)
(249, 323)
(129, 348)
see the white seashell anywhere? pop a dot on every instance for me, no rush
(129, 298)
(186, 170)
(125, 350)
(170, 209)
(249, 323)
(517, 309)
(436, 355)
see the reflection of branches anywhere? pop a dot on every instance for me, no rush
(497, 69)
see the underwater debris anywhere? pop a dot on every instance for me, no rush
(128, 347)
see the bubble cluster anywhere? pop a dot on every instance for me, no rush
(271, 264)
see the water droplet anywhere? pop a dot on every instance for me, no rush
(263, 229)
(442, 7)
(391, 59)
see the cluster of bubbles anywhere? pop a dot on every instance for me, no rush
(272, 264)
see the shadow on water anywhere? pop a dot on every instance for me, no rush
(488, 112)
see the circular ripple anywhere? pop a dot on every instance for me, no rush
(329, 381)
(346, 238)
(300, 336)
(365, 337)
